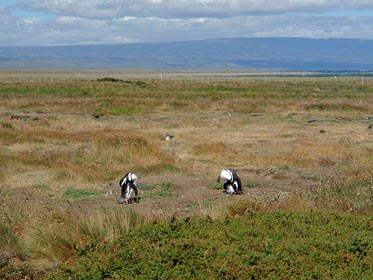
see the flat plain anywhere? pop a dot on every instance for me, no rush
(299, 145)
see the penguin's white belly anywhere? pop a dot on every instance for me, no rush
(230, 189)
(130, 193)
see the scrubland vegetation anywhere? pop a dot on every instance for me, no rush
(302, 147)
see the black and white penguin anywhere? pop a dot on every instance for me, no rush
(232, 183)
(129, 191)
(168, 136)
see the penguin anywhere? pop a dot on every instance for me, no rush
(232, 184)
(168, 136)
(128, 183)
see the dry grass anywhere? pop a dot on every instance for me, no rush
(68, 148)
(56, 236)
(97, 155)
(108, 224)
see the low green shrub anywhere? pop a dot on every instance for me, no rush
(109, 79)
(259, 245)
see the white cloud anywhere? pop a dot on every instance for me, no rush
(73, 30)
(191, 8)
(125, 21)
(31, 20)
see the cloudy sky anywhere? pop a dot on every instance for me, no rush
(67, 22)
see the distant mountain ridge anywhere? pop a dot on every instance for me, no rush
(288, 54)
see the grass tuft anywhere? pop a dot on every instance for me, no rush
(215, 186)
(109, 223)
(79, 194)
(57, 236)
(9, 245)
(160, 190)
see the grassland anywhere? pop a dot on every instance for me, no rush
(302, 148)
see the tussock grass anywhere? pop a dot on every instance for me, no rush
(9, 243)
(50, 239)
(108, 224)
(91, 153)
(57, 236)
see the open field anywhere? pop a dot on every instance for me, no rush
(303, 148)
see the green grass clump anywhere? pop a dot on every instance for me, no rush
(200, 204)
(335, 107)
(41, 187)
(9, 246)
(6, 125)
(146, 187)
(252, 183)
(79, 194)
(260, 245)
(282, 168)
(125, 111)
(160, 190)
(215, 186)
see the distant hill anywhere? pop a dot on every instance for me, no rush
(290, 54)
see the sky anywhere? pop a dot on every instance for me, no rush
(78, 22)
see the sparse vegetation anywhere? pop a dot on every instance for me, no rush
(160, 190)
(215, 186)
(252, 184)
(301, 147)
(76, 194)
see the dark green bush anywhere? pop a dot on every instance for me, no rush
(260, 245)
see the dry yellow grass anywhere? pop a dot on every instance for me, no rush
(88, 134)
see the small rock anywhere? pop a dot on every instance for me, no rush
(121, 200)
(109, 192)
